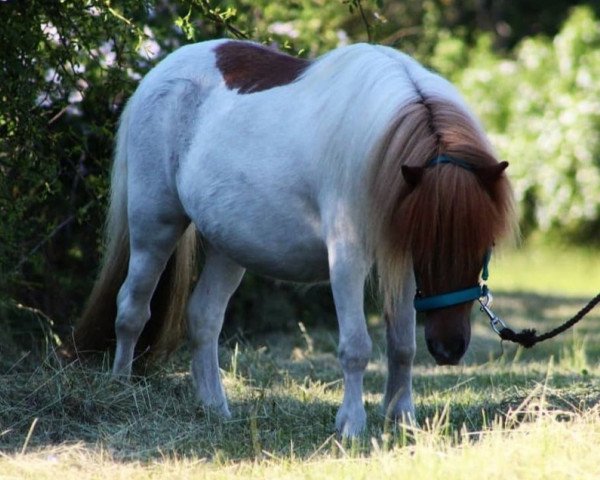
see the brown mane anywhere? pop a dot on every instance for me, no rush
(443, 225)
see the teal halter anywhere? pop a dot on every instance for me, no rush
(423, 304)
(440, 159)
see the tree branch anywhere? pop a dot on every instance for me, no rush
(44, 240)
(365, 21)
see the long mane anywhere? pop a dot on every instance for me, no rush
(449, 218)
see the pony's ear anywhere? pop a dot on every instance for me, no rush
(490, 174)
(412, 175)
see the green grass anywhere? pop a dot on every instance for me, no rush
(505, 413)
(547, 269)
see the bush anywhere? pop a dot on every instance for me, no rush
(541, 108)
(68, 67)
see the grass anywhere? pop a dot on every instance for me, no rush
(548, 270)
(505, 413)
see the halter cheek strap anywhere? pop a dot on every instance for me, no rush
(423, 304)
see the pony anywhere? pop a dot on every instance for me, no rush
(329, 169)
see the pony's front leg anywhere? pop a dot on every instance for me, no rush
(348, 270)
(401, 347)
(206, 311)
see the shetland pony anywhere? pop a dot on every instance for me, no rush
(302, 171)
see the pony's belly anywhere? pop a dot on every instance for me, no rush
(298, 258)
(304, 265)
(277, 239)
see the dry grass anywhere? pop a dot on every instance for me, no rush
(533, 438)
(506, 413)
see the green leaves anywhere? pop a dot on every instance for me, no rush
(542, 109)
(64, 70)
(186, 26)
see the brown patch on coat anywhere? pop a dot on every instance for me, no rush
(251, 68)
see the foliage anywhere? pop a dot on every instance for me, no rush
(67, 67)
(542, 110)
(65, 74)
(70, 68)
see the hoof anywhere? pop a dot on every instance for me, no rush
(221, 410)
(350, 425)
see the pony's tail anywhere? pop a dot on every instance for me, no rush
(95, 329)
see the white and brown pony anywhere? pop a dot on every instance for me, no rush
(303, 171)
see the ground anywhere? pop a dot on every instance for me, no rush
(505, 413)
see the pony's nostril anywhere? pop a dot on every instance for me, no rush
(458, 349)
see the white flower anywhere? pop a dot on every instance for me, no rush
(286, 29)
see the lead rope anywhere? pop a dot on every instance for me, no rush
(528, 337)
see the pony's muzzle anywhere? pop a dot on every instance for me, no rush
(448, 333)
(447, 352)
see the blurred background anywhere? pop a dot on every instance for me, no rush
(529, 69)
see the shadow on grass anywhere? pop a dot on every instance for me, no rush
(285, 389)
(158, 416)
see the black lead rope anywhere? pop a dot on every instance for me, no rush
(528, 337)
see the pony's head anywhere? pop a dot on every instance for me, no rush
(439, 217)
(454, 225)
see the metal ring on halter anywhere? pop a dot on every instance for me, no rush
(495, 321)
(488, 298)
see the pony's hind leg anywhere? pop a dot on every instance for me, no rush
(206, 311)
(152, 241)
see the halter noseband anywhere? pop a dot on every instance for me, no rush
(423, 304)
